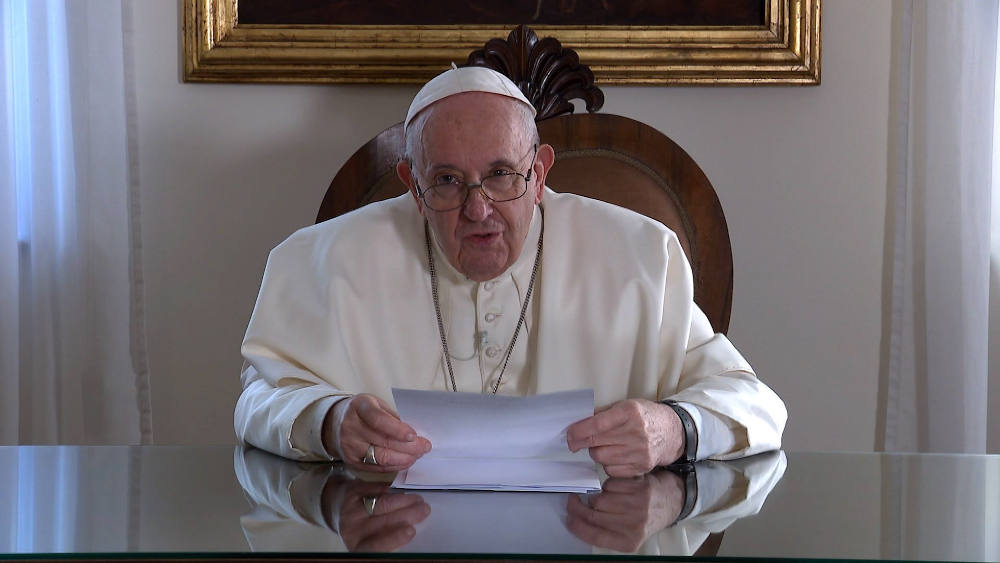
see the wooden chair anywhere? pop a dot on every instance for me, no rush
(607, 157)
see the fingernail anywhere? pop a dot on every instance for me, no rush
(427, 447)
(411, 437)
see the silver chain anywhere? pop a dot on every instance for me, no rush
(520, 320)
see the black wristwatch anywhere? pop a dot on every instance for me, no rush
(690, 433)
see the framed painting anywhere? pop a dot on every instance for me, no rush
(704, 42)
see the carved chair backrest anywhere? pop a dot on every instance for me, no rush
(603, 156)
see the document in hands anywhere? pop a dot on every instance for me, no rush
(497, 442)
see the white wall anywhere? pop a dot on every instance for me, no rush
(227, 171)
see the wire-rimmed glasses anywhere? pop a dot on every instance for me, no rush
(451, 192)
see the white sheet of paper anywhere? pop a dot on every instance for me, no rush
(497, 442)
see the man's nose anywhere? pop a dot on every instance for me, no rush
(477, 206)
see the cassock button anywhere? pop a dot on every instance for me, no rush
(490, 317)
(489, 285)
(492, 351)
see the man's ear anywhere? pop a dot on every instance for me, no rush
(544, 160)
(405, 174)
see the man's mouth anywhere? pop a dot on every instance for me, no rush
(482, 238)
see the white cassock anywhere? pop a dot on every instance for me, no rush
(345, 307)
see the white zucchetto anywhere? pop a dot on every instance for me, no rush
(459, 80)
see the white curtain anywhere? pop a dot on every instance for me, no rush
(72, 351)
(69, 500)
(993, 434)
(942, 508)
(934, 378)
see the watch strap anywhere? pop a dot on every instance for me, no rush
(688, 473)
(690, 432)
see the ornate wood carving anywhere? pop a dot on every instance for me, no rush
(548, 75)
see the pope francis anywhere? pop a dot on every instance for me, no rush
(481, 279)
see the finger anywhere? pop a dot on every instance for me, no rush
(379, 531)
(353, 506)
(615, 503)
(410, 515)
(598, 536)
(361, 440)
(384, 421)
(380, 468)
(388, 460)
(356, 436)
(626, 486)
(359, 489)
(356, 461)
(624, 470)
(394, 460)
(640, 457)
(417, 448)
(610, 520)
(614, 437)
(583, 434)
(631, 432)
(577, 506)
(387, 539)
(388, 510)
(614, 455)
(386, 463)
(397, 456)
(395, 502)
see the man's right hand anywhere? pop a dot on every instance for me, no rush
(370, 421)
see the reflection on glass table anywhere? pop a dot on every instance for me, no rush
(323, 508)
(183, 501)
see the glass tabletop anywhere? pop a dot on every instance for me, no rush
(223, 501)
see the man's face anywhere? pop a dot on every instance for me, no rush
(469, 136)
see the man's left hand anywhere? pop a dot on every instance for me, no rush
(627, 511)
(630, 437)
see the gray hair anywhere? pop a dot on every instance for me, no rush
(415, 131)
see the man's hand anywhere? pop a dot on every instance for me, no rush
(630, 437)
(627, 511)
(369, 420)
(391, 523)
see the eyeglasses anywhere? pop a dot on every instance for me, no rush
(450, 192)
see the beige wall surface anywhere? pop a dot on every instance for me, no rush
(228, 170)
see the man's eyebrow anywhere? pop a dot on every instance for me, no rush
(502, 162)
(441, 166)
(449, 166)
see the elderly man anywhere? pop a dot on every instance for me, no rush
(483, 280)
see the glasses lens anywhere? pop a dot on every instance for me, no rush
(505, 187)
(445, 196)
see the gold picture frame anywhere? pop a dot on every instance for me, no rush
(786, 50)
